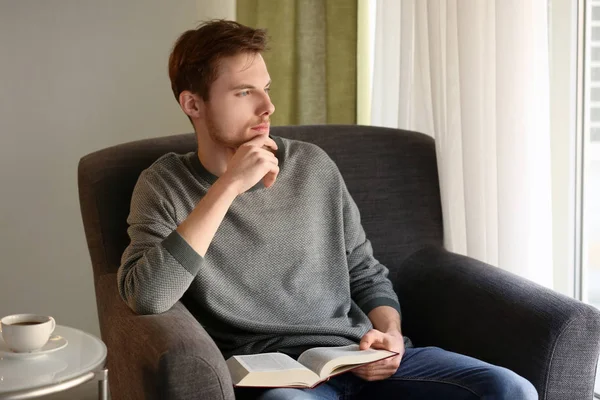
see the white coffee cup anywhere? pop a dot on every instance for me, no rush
(24, 333)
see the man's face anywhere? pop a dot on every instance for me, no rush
(239, 107)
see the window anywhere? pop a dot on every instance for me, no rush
(589, 163)
(590, 242)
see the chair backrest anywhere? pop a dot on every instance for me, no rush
(390, 173)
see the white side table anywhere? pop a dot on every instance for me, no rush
(82, 360)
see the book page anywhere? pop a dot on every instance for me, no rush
(316, 358)
(269, 370)
(321, 359)
(268, 362)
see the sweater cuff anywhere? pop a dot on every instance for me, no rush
(380, 301)
(181, 251)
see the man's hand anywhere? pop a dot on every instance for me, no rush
(251, 163)
(383, 369)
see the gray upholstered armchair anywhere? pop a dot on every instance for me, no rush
(447, 300)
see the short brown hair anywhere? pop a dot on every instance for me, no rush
(194, 60)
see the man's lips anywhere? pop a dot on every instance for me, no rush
(261, 127)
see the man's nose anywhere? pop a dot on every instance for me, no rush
(267, 108)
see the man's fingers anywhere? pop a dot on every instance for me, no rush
(271, 143)
(384, 368)
(365, 342)
(260, 141)
(387, 363)
(373, 375)
(383, 365)
(271, 176)
(373, 338)
(269, 149)
(377, 340)
(273, 159)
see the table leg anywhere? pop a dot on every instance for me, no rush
(102, 377)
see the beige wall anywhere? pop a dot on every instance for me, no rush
(75, 76)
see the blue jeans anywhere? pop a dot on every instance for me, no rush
(425, 373)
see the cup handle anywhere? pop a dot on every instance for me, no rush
(53, 325)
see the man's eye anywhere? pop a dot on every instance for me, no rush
(267, 89)
(244, 93)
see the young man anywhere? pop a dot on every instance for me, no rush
(263, 238)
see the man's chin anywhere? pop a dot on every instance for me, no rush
(246, 136)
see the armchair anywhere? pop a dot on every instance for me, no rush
(448, 300)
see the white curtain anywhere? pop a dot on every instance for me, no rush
(474, 75)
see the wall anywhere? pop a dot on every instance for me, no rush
(75, 76)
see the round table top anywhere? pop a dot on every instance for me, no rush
(82, 354)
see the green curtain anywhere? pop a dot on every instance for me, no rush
(312, 57)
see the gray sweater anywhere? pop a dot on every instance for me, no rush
(289, 267)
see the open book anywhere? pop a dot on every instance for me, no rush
(313, 366)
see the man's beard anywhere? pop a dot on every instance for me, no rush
(218, 136)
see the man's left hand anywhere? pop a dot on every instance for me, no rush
(384, 368)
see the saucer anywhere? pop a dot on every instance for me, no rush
(55, 343)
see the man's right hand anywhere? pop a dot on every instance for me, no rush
(251, 163)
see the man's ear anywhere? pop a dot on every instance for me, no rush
(191, 104)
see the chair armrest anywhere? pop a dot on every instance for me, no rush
(463, 305)
(162, 356)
